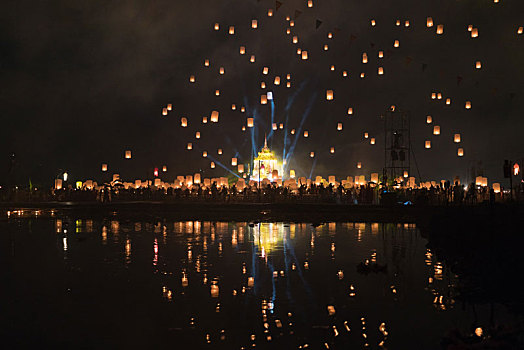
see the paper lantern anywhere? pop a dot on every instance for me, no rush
(232, 30)
(362, 75)
(440, 29)
(364, 58)
(242, 109)
(429, 120)
(433, 95)
(372, 141)
(456, 138)
(197, 134)
(233, 107)
(478, 65)
(312, 154)
(252, 59)
(212, 165)
(332, 150)
(295, 39)
(468, 105)
(428, 144)
(233, 161)
(288, 31)
(204, 154)
(397, 23)
(217, 26)
(281, 126)
(299, 51)
(406, 24)
(448, 101)
(189, 146)
(329, 95)
(366, 135)
(292, 131)
(326, 47)
(330, 35)
(288, 84)
(373, 23)
(470, 28)
(332, 68)
(192, 79)
(436, 130)
(439, 96)
(520, 30)
(242, 50)
(381, 54)
(274, 126)
(310, 3)
(204, 120)
(396, 43)
(183, 122)
(249, 122)
(219, 151)
(277, 80)
(474, 33)
(127, 155)
(254, 24)
(265, 70)
(304, 55)
(164, 111)
(460, 152)
(496, 187)
(350, 110)
(270, 13)
(345, 73)
(406, 174)
(169, 107)
(339, 126)
(263, 99)
(306, 133)
(206, 63)
(214, 116)
(359, 165)
(104, 167)
(217, 92)
(429, 22)
(241, 168)
(221, 70)
(164, 168)
(262, 85)
(380, 70)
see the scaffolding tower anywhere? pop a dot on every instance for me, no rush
(397, 145)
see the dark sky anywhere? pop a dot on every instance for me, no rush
(82, 81)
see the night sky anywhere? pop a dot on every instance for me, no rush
(82, 81)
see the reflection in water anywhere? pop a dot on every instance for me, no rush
(241, 285)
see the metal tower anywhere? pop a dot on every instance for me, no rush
(397, 145)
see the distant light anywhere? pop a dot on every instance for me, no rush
(269, 95)
(65, 176)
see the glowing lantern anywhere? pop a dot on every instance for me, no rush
(439, 96)
(183, 122)
(373, 23)
(288, 18)
(164, 168)
(221, 70)
(330, 35)
(164, 111)
(214, 116)
(306, 133)
(359, 165)
(204, 120)
(310, 3)
(429, 22)
(281, 126)
(429, 120)
(516, 169)
(277, 80)
(345, 73)
(295, 39)
(189, 146)
(397, 23)
(362, 75)
(254, 24)
(380, 70)
(428, 144)
(262, 85)
(332, 68)
(329, 95)
(292, 173)
(204, 154)
(212, 165)
(104, 167)
(197, 134)
(217, 92)
(440, 29)
(288, 84)
(58, 184)
(249, 122)
(233, 107)
(288, 31)
(433, 95)
(496, 187)
(406, 173)
(470, 28)
(299, 51)
(436, 130)
(252, 59)
(241, 168)
(217, 26)
(265, 70)
(468, 105)
(474, 33)
(274, 126)
(291, 23)
(448, 101)
(478, 65)
(381, 54)
(233, 161)
(366, 135)
(128, 155)
(242, 50)
(460, 152)
(326, 47)
(242, 109)
(350, 110)
(206, 63)
(169, 107)
(192, 79)
(304, 55)
(231, 30)
(292, 131)
(396, 43)
(270, 13)
(372, 141)
(456, 138)
(364, 58)
(406, 24)
(219, 151)
(263, 99)
(520, 30)
(312, 154)
(339, 126)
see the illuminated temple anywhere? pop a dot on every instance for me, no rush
(266, 165)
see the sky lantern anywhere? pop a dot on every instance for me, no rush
(381, 54)
(262, 85)
(212, 165)
(474, 33)
(292, 131)
(396, 43)
(345, 73)
(242, 50)
(440, 29)
(433, 95)
(288, 31)
(436, 130)
(292, 173)
(204, 154)
(470, 28)
(299, 51)
(265, 70)
(332, 150)
(520, 30)
(366, 135)
(127, 154)
(295, 39)
(217, 26)
(204, 120)
(339, 126)
(249, 122)
(350, 110)
(326, 47)
(306, 133)
(406, 174)
(164, 168)
(222, 70)
(206, 62)
(362, 75)
(241, 168)
(429, 22)
(104, 167)
(312, 154)
(288, 84)
(406, 24)
(217, 92)
(288, 76)
(270, 13)
(233, 107)
(281, 126)
(429, 120)
(277, 80)
(263, 99)
(380, 70)
(214, 116)
(460, 152)
(197, 135)
(427, 144)
(372, 141)
(189, 146)
(252, 59)
(219, 151)
(274, 126)
(397, 23)
(359, 165)
(291, 23)
(330, 35)
(478, 65)
(304, 55)
(373, 23)
(364, 57)
(456, 138)
(332, 68)
(233, 161)
(232, 30)
(164, 111)
(310, 3)
(242, 109)
(439, 96)
(254, 24)
(448, 101)
(468, 104)
(169, 107)
(192, 79)
(329, 95)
